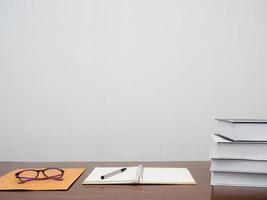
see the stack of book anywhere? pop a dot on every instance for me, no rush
(239, 153)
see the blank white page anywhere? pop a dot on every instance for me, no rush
(152, 175)
(128, 176)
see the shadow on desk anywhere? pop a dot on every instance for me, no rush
(238, 193)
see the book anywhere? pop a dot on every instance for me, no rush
(141, 175)
(239, 179)
(242, 129)
(238, 165)
(222, 148)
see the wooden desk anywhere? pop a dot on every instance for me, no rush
(199, 170)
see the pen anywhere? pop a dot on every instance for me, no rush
(113, 173)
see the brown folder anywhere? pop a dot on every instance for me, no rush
(9, 182)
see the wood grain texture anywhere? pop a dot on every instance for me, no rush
(199, 170)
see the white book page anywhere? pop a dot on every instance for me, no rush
(152, 175)
(128, 176)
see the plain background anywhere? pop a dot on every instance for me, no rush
(127, 80)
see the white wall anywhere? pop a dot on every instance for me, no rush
(127, 80)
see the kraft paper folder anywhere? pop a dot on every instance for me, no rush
(9, 182)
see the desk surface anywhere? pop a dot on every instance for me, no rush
(199, 170)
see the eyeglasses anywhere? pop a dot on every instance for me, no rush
(34, 174)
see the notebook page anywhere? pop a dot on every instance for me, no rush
(153, 175)
(128, 176)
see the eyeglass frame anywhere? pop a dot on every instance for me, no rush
(57, 177)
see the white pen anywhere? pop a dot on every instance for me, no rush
(113, 173)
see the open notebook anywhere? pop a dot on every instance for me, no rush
(141, 175)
